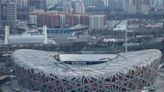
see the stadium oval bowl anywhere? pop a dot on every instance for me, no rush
(54, 72)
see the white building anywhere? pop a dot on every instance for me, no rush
(106, 2)
(97, 21)
(88, 2)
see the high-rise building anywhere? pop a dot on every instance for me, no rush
(139, 6)
(67, 9)
(125, 5)
(106, 3)
(51, 3)
(117, 5)
(97, 3)
(88, 2)
(80, 8)
(21, 4)
(22, 9)
(139, 3)
(131, 8)
(75, 19)
(41, 19)
(67, 6)
(157, 6)
(11, 11)
(54, 20)
(97, 21)
(4, 11)
(0, 9)
(37, 4)
(84, 19)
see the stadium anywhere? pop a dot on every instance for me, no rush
(57, 72)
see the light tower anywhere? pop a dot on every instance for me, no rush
(45, 34)
(126, 37)
(6, 34)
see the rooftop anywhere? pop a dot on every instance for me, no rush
(113, 63)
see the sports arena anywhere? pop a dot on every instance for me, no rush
(57, 72)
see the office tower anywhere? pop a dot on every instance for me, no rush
(51, 3)
(117, 5)
(37, 4)
(88, 2)
(97, 3)
(0, 9)
(131, 8)
(155, 3)
(67, 6)
(53, 20)
(67, 9)
(139, 6)
(4, 10)
(21, 4)
(80, 8)
(11, 12)
(106, 3)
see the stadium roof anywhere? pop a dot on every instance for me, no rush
(26, 38)
(43, 61)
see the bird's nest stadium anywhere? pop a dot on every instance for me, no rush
(55, 72)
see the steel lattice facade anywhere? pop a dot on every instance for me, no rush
(66, 78)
